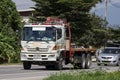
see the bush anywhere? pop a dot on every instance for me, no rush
(86, 76)
(10, 22)
(7, 53)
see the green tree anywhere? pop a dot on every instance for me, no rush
(115, 33)
(9, 23)
(75, 11)
(100, 33)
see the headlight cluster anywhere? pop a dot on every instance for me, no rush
(56, 47)
(99, 57)
(23, 55)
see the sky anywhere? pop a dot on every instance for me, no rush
(23, 4)
(113, 16)
(113, 11)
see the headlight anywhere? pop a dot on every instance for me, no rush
(23, 55)
(115, 57)
(99, 57)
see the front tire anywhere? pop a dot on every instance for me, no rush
(26, 65)
(59, 64)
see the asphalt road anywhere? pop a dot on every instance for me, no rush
(16, 72)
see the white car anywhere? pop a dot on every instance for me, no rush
(109, 56)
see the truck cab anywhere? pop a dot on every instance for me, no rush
(42, 44)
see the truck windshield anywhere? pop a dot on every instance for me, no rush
(39, 34)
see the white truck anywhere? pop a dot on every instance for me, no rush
(49, 44)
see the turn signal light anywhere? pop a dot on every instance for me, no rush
(56, 47)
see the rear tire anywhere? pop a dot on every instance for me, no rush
(26, 65)
(88, 61)
(82, 64)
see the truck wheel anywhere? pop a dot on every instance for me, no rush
(88, 61)
(59, 65)
(26, 65)
(82, 64)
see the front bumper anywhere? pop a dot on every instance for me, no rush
(38, 56)
(107, 62)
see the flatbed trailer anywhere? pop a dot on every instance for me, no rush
(92, 50)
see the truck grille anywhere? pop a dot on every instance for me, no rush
(37, 49)
(107, 57)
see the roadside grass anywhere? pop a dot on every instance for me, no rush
(97, 75)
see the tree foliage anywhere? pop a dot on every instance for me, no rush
(115, 33)
(9, 23)
(75, 11)
(100, 33)
(86, 28)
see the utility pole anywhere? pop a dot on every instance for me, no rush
(106, 9)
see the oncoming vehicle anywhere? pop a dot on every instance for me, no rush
(109, 56)
(50, 45)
